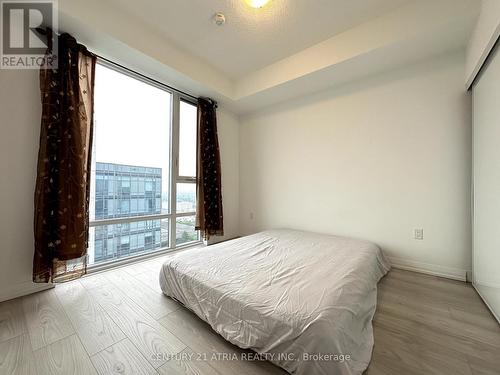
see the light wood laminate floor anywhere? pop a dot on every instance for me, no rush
(116, 321)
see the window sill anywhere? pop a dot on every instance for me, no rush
(115, 263)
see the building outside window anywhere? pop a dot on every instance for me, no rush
(123, 203)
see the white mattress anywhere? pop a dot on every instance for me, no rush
(286, 294)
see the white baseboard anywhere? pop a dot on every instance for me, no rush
(29, 287)
(22, 289)
(469, 276)
(429, 269)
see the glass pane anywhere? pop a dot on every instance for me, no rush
(187, 139)
(185, 230)
(131, 147)
(116, 241)
(186, 197)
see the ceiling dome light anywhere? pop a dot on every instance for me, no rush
(256, 3)
(219, 19)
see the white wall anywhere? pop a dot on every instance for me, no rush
(20, 125)
(374, 160)
(20, 111)
(483, 38)
(486, 270)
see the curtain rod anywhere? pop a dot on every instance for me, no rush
(44, 31)
(144, 76)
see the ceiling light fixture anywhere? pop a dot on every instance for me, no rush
(219, 19)
(256, 3)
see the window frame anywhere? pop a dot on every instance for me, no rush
(174, 178)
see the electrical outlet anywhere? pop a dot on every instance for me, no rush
(418, 234)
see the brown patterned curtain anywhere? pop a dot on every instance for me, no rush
(63, 181)
(209, 218)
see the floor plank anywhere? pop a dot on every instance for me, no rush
(122, 358)
(480, 367)
(480, 319)
(150, 337)
(154, 302)
(433, 291)
(96, 329)
(12, 322)
(151, 279)
(423, 334)
(441, 321)
(16, 356)
(67, 356)
(96, 280)
(147, 266)
(205, 342)
(423, 325)
(424, 357)
(45, 318)
(187, 363)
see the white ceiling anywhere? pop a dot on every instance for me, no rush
(261, 57)
(251, 38)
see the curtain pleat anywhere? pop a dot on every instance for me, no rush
(62, 192)
(209, 217)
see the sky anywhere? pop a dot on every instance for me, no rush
(132, 124)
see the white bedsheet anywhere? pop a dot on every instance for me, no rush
(287, 294)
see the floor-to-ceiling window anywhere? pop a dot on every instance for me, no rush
(143, 184)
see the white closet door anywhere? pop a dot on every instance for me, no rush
(486, 255)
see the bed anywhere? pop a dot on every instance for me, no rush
(305, 301)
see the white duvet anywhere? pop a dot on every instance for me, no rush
(304, 300)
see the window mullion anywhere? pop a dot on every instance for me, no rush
(127, 219)
(175, 165)
(182, 214)
(188, 180)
